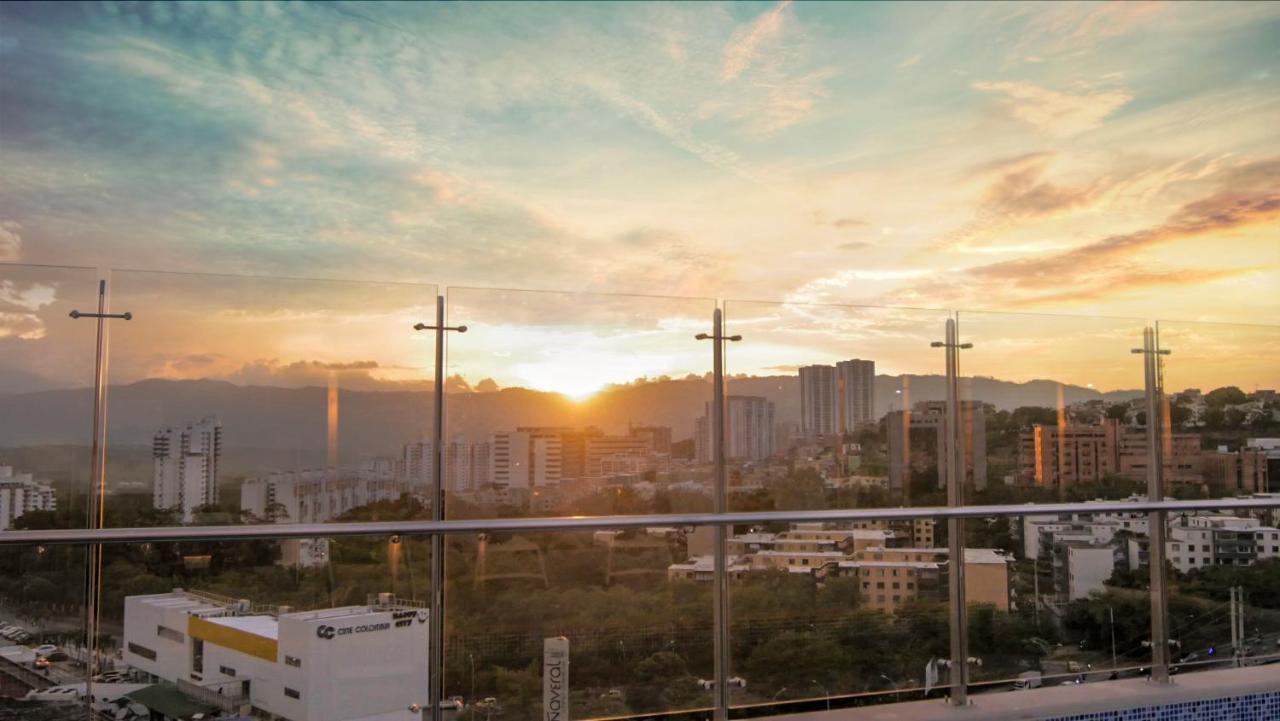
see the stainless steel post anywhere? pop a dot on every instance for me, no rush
(1156, 520)
(720, 591)
(435, 682)
(955, 526)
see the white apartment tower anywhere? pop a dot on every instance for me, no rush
(836, 399)
(20, 494)
(520, 459)
(185, 463)
(819, 401)
(856, 381)
(748, 431)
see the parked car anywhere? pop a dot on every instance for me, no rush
(1029, 679)
(45, 650)
(58, 656)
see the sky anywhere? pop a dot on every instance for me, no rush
(1116, 160)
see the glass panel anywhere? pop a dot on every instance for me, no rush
(563, 403)
(267, 399)
(1222, 409)
(46, 431)
(1222, 440)
(859, 631)
(46, 395)
(1047, 404)
(833, 406)
(638, 635)
(1071, 612)
(333, 628)
(42, 639)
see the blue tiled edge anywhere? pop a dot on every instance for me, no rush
(1250, 707)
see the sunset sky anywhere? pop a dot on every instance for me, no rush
(1089, 159)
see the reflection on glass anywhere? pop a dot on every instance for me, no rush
(637, 630)
(237, 399)
(1221, 409)
(562, 403)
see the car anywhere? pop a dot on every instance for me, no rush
(45, 650)
(23, 637)
(58, 656)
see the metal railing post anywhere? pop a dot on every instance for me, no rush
(1156, 520)
(953, 457)
(720, 590)
(435, 682)
(98, 491)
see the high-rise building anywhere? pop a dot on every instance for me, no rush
(748, 430)
(931, 418)
(525, 459)
(185, 466)
(466, 465)
(658, 437)
(21, 494)
(856, 381)
(819, 401)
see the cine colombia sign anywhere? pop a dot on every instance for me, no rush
(555, 679)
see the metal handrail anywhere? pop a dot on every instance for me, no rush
(586, 523)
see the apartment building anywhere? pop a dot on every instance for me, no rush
(20, 494)
(185, 466)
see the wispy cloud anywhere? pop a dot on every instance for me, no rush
(746, 44)
(1054, 112)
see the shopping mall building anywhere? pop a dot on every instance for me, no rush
(354, 663)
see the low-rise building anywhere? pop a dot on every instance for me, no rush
(353, 663)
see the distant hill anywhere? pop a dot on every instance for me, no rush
(283, 421)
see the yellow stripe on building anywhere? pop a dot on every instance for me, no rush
(233, 638)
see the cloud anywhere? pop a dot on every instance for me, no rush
(854, 245)
(24, 326)
(1109, 266)
(1052, 112)
(849, 223)
(742, 49)
(352, 375)
(1221, 212)
(32, 297)
(10, 241)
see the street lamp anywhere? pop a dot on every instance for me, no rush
(825, 693)
(897, 695)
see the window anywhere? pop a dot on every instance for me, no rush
(197, 655)
(910, 586)
(896, 585)
(170, 634)
(291, 693)
(292, 661)
(897, 599)
(226, 671)
(880, 584)
(142, 651)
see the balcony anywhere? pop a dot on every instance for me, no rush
(326, 501)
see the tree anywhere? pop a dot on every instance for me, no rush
(792, 658)
(1225, 396)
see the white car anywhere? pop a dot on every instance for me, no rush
(45, 650)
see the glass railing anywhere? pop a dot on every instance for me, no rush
(271, 447)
